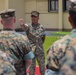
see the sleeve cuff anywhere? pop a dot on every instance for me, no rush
(28, 56)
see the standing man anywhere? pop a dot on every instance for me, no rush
(36, 35)
(61, 56)
(14, 44)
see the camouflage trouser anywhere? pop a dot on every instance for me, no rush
(39, 55)
(50, 72)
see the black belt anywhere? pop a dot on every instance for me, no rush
(52, 68)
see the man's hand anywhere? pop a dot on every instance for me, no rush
(23, 26)
(28, 63)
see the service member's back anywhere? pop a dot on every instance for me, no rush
(14, 44)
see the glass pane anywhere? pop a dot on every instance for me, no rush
(52, 5)
(67, 5)
(56, 5)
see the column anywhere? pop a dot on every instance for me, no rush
(60, 12)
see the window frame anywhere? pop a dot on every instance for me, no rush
(52, 7)
(66, 5)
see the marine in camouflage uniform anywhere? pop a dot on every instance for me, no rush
(61, 56)
(14, 44)
(36, 35)
(6, 65)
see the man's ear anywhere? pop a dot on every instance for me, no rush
(38, 18)
(14, 20)
(70, 20)
(1, 22)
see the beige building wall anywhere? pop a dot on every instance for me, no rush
(19, 5)
(50, 20)
(3, 5)
(66, 24)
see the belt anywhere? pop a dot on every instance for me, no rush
(52, 68)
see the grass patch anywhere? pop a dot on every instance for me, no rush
(61, 33)
(49, 40)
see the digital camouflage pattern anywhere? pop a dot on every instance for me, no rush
(7, 13)
(62, 55)
(34, 34)
(35, 13)
(17, 47)
(6, 65)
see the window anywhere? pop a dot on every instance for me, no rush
(52, 5)
(66, 4)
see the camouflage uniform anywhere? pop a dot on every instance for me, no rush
(6, 65)
(17, 47)
(34, 34)
(62, 55)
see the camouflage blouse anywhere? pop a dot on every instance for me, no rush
(62, 55)
(35, 34)
(6, 65)
(17, 47)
